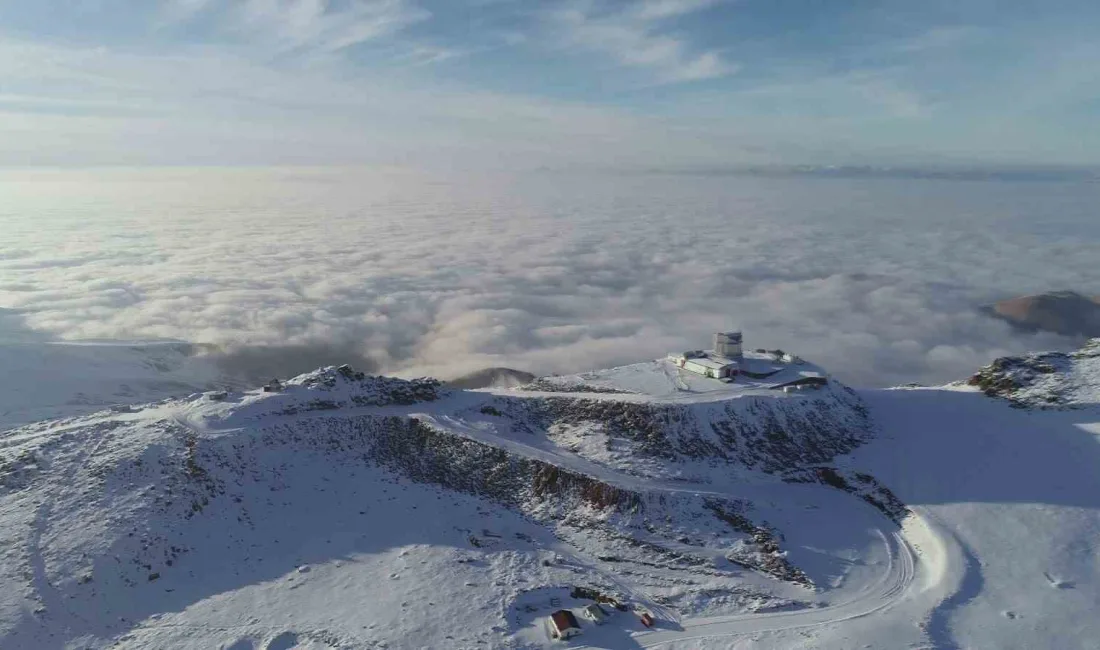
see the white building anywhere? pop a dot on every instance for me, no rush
(728, 344)
(723, 362)
(595, 614)
(680, 358)
(713, 367)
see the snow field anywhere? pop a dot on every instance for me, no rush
(232, 524)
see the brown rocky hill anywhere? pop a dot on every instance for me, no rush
(1061, 312)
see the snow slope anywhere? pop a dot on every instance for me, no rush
(352, 511)
(49, 379)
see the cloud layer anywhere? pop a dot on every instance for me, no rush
(877, 279)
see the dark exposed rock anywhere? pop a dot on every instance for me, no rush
(543, 386)
(1043, 380)
(338, 387)
(760, 433)
(862, 485)
(541, 490)
(774, 561)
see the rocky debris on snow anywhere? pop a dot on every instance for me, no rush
(341, 387)
(544, 385)
(762, 433)
(763, 554)
(1044, 380)
(639, 526)
(862, 485)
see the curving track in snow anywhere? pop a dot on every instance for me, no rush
(922, 572)
(925, 564)
(925, 568)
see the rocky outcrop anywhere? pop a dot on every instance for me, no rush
(1044, 380)
(763, 433)
(862, 485)
(543, 385)
(341, 387)
(634, 526)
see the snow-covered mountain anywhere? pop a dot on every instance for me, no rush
(1045, 379)
(354, 511)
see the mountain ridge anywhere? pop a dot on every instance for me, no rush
(162, 525)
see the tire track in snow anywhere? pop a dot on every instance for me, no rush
(891, 588)
(895, 586)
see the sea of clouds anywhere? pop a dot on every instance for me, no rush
(282, 270)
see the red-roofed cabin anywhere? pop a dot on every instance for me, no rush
(647, 619)
(563, 624)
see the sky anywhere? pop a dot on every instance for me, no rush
(563, 83)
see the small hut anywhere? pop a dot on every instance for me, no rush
(563, 624)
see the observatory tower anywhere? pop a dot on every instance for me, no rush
(728, 344)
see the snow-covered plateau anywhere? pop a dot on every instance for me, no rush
(345, 510)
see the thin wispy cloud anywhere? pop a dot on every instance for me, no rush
(698, 82)
(640, 37)
(661, 9)
(429, 54)
(318, 25)
(939, 38)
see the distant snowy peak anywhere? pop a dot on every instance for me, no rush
(1045, 379)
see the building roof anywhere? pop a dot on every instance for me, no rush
(713, 362)
(563, 619)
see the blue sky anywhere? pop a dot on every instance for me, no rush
(655, 83)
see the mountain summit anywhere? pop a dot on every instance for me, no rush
(340, 509)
